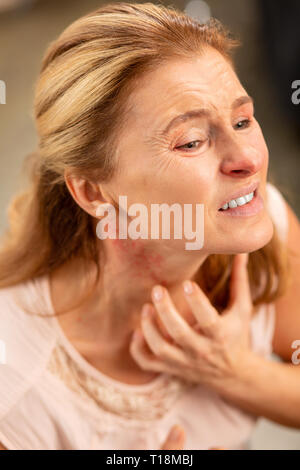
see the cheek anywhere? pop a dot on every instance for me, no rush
(258, 142)
(191, 182)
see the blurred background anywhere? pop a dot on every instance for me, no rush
(267, 64)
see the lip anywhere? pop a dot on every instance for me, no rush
(251, 209)
(239, 193)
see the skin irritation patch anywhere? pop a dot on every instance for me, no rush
(144, 263)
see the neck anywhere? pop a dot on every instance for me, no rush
(129, 269)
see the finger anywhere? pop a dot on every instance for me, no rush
(177, 327)
(141, 353)
(240, 294)
(145, 358)
(157, 343)
(208, 319)
(217, 448)
(175, 439)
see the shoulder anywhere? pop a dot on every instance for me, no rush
(25, 342)
(287, 307)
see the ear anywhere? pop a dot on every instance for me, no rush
(88, 194)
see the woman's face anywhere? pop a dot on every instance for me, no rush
(206, 159)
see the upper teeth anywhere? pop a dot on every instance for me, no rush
(240, 201)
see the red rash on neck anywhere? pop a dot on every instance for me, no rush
(144, 263)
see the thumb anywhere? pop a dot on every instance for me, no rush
(175, 439)
(239, 281)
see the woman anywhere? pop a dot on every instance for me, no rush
(107, 103)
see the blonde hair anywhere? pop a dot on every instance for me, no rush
(81, 100)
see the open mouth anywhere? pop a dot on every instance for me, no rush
(239, 202)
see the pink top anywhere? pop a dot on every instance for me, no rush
(52, 398)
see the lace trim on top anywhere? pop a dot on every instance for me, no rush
(143, 405)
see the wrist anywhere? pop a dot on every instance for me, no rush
(242, 377)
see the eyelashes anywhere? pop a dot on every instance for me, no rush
(245, 123)
(240, 125)
(192, 142)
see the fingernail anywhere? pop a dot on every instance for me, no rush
(188, 287)
(157, 293)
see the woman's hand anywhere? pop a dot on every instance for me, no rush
(176, 440)
(208, 352)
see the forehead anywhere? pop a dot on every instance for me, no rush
(207, 80)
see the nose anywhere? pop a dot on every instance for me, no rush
(241, 159)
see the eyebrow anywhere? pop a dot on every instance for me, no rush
(203, 112)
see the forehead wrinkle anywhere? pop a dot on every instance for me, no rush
(207, 107)
(175, 92)
(170, 77)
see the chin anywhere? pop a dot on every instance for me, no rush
(256, 238)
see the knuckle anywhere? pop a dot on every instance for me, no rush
(221, 335)
(162, 351)
(212, 326)
(203, 355)
(193, 351)
(179, 336)
(210, 359)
